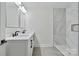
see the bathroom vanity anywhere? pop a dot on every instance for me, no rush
(21, 45)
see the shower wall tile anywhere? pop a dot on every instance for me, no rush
(59, 28)
(72, 18)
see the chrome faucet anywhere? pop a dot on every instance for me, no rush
(15, 34)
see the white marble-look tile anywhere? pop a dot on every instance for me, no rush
(59, 28)
(72, 18)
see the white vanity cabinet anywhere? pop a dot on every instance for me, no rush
(12, 15)
(22, 47)
(3, 49)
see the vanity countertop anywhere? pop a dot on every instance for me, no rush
(25, 36)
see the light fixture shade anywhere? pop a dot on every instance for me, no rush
(21, 7)
(18, 3)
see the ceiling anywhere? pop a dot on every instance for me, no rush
(47, 4)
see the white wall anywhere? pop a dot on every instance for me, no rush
(41, 21)
(2, 21)
(2, 28)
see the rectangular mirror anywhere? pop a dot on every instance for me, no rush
(12, 15)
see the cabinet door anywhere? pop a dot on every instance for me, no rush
(3, 49)
(17, 48)
(12, 15)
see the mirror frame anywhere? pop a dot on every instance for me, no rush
(19, 19)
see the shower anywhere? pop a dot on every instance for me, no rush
(65, 29)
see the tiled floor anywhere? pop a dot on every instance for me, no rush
(46, 51)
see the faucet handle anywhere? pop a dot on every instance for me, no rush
(16, 33)
(23, 31)
(13, 34)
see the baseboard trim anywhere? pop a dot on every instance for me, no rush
(44, 45)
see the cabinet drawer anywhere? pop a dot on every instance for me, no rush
(17, 42)
(16, 51)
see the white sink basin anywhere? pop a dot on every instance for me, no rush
(25, 36)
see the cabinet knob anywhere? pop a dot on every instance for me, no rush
(31, 46)
(3, 42)
(31, 43)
